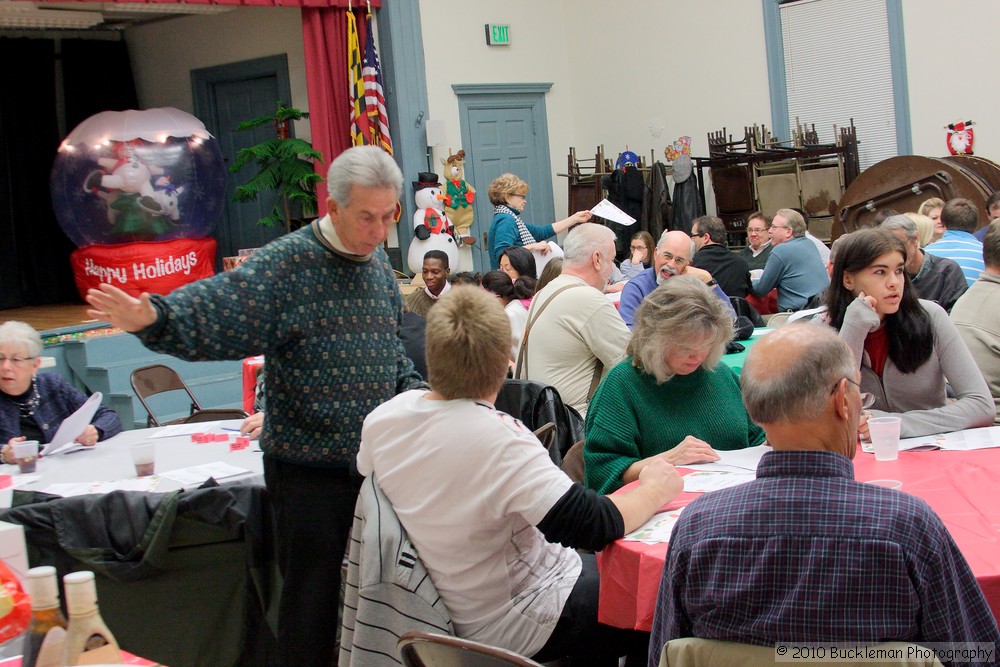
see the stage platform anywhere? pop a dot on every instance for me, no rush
(53, 319)
(94, 356)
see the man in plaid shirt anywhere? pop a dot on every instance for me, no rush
(804, 553)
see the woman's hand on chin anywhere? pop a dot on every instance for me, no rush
(868, 299)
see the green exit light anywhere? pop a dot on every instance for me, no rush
(497, 35)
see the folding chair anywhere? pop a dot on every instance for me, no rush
(157, 379)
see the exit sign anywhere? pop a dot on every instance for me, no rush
(497, 35)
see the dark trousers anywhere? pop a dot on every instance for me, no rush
(313, 512)
(579, 635)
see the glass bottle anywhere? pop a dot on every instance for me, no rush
(46, 635)
(88, 639)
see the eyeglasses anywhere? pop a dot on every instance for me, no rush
(523, 197)
(633, 248)
(17, 361)
(680, 261)
(756, 230)
(695, 236)
(867, 398)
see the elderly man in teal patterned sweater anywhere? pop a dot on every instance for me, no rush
(322, 304)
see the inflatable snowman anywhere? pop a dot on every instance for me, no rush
(432, 230)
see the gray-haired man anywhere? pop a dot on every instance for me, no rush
(323, 305)
(804, 553)
(937, 279)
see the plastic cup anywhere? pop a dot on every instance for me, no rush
(26, 455)
(144, 458)
(884, 432)
(887, 483)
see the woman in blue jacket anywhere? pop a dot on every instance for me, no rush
(508, 194)
(33, 406)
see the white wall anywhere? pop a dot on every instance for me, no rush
(951, 55)
(618, 68)
(164, 53)
(455, 51)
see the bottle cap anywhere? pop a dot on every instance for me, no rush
(81, 592)
(42, 587)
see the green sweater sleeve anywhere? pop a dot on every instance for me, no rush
(612, 435)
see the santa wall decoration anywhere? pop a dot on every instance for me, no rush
(960, 138)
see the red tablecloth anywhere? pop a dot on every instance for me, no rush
(960, 486)
(250, 366)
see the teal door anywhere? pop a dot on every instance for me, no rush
(504, 129)
(225, 96)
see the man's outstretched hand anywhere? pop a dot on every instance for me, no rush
(120, 308)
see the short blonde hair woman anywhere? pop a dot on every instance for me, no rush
(509, 194)
(932, 209)
(925, 228)
(671, 398)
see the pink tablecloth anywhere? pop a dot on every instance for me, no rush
(960, 486)
(250, 367)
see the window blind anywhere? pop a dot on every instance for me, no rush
(838, 67)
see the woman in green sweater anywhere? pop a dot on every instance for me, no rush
(670, 398)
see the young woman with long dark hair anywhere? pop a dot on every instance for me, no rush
(907, 348)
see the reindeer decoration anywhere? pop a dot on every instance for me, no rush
(460, 196)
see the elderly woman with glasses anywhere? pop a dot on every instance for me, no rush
(508, 194)
(33, 406)
(908, 350)
(671, 398)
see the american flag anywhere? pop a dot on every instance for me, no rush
(360, 134)
(378, 121)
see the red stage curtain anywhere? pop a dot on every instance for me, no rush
(358, 5)
(324, 33)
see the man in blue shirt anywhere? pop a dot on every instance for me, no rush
(959, 217)
(794, 265)
(672, 258)
(804, 553)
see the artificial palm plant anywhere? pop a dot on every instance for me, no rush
(284, 165)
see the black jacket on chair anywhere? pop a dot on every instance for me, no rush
(535, 404)
(204, 555)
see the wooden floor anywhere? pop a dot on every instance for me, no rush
(45, 318)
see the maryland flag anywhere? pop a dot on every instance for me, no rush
(378, 121)
(360, 133)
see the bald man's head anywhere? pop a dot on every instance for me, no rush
(673, 255)
(790, 372)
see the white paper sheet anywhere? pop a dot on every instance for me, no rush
(657, 529)
(961, 441)
(72, 426)
(739, 461)
(175, 430)
(84, 488)
(198, 474)
(703, 481)
(608, 211)
(541, 260)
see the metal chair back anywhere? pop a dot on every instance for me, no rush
(157, 379)
(426, 649)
